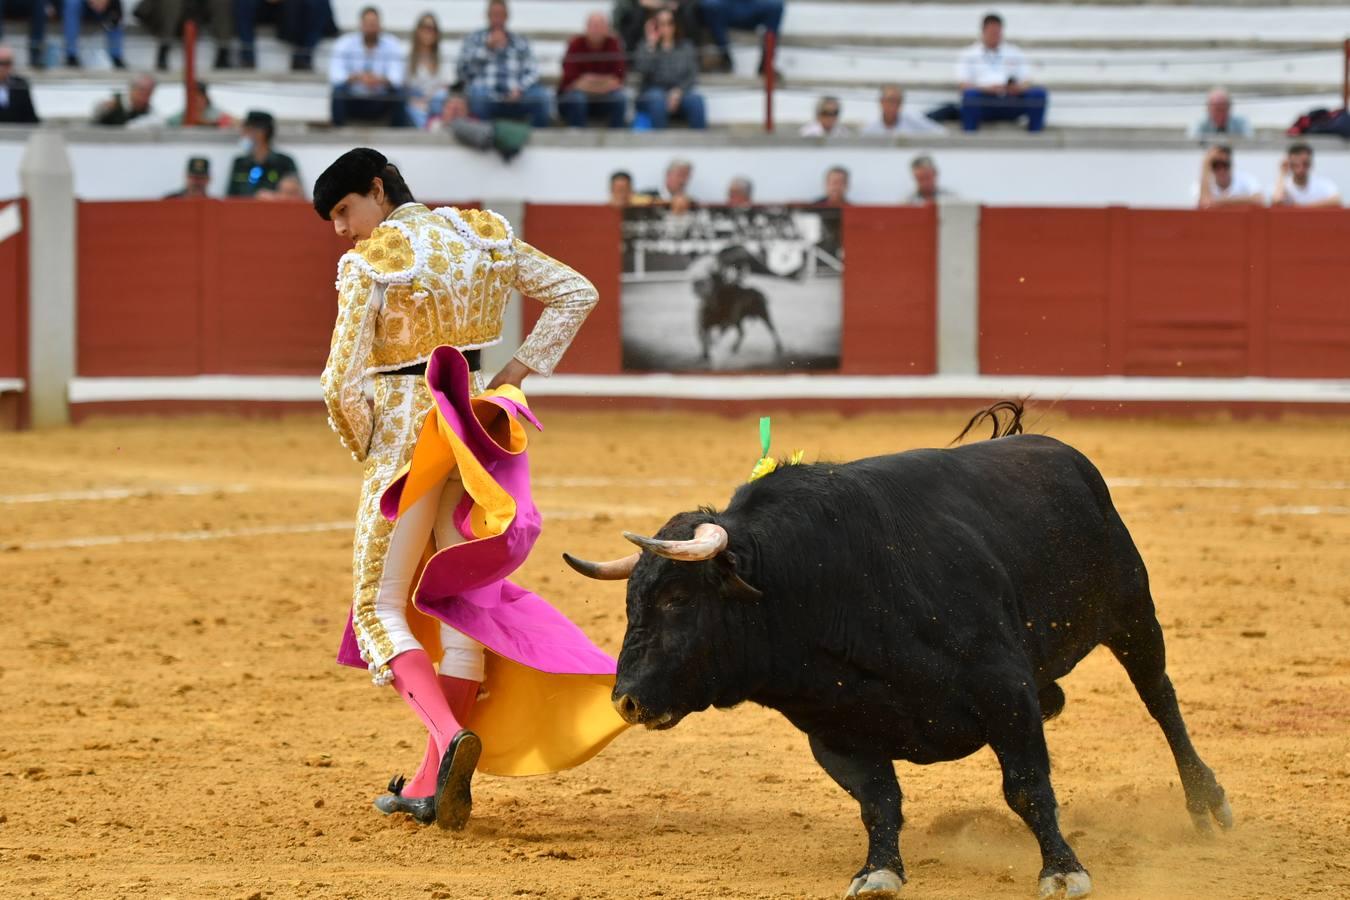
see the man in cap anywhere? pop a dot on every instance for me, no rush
(198, 179)
(259, 168)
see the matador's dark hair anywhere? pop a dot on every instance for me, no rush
(354, 172)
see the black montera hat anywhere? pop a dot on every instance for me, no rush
(350, 173)
(198, 165)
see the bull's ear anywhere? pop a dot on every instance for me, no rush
(736, 585)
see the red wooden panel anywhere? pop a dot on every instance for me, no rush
(139, 288)
(1187, 292)
(890, 291)
(14, 300)
(269, 302)
(587, 239)
(1309, 293)
(1044, 291)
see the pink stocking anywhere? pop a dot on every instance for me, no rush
(461, 696)
(416, 682)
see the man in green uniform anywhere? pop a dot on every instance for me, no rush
(260, 168)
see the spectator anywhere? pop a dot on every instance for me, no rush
(1219, 119)
(366, 74)
(926, 190)
(454, 108)
(288, 188)
(301, 23)
(994, 85)
(630, 18)
(676, 183)
(259, 168)
(207, 115)
(836, 188)
(592, 77)
(498, 70)
(669, 67)
(108, 15)
(749, 15)
(135, 110)
(1298, 186)
(826, 123)
(16, 100)
(620, 189)
(427, 85)
(37, 30)
(164, 17)
(197, 181)
(740, 192)
(1221, 185)
(895, 119)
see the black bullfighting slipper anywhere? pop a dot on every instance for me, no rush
(423, 809)
(454, 798)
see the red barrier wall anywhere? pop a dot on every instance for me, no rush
(1154, 292)
(890, 285)
(14, 319)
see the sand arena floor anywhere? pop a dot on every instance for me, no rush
(172, 723)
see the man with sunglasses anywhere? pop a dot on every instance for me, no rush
(1223, 185)
(827, 122)
(260, 168)
(16, 100)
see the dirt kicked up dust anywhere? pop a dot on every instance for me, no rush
(172, 723)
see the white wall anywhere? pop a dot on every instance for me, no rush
(1016, 172)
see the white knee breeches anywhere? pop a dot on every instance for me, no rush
(431, 515)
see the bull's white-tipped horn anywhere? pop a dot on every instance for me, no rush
(708, 541)
(614, 570)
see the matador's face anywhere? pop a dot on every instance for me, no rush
(355, 216)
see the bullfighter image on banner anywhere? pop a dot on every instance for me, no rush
(718, 289)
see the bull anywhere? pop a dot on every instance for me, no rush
(726, 304)
(916, 606)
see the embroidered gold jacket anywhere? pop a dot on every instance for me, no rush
(425, 278)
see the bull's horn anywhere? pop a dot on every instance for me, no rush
(708, 541)
(614, 570)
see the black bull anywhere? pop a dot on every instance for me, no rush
(916, 606)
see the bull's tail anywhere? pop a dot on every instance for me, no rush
(1052, 701)
(1006, 416)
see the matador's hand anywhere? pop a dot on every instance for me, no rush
(512, 373)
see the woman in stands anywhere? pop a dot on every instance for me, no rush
(668, 65)
(419, 296)
(426, 84)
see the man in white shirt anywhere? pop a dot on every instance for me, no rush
(1298, 186)
(827, 120)
(1222, 185)
(895, 119)
(366, 74)
(994, 84)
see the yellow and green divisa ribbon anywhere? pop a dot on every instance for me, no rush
(766, 462)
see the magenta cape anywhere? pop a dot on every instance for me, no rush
(547, 705)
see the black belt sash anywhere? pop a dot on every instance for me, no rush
(472, 356)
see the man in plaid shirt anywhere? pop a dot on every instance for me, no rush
(500, 74)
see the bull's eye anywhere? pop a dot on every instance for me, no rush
(672, 601)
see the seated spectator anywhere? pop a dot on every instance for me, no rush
(895, 119)
(669, 68)
(827, 122)
(36, 10)
(165, 17)
(366, 74)
(836, 188)
(426, 81)
(1221, 185)
(676, 183)
(994, 85)
(259, 168)
(1298, 186)
(592, 77)
(1219, 119)
(620, 189)
(288, 188)
(300, 23)
(207, 115)
(499, 73)
(136, 109)
(16, 100)
(197, 181)
(747, 15)
(926, 190)
(740, 192)
(108, 15)
(454, 107)
(630, 18)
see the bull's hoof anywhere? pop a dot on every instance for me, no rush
(1220, 810)
(1065, 884)
(883, 884)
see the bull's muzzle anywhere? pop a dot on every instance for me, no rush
(628, 709)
